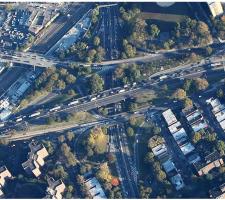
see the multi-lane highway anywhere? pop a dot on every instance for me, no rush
(124, 161)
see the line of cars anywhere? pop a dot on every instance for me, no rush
(72, 103)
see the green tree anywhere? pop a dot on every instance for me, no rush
(104, 173)
(132, 107)
(179, 94)
(187, 85)
(97, 140)
(70, 79)
(70, 188)
(221, 147)
(61, 138)
(201, 84)
(145, 192)
(96, 83)
(220, 93)
(188, 103)
(61, 84)
(130, 132)
(63, 72)
(59, 172)
(154, 31)
(197, 137)
(96, 41)
(71, 92)
(208, 51)
(70, 135)
(149, 157)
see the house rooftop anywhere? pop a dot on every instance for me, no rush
(55, 188)
(35, 158)
(95, 188)
(187, 148)
(211, 161)
(177, 181)
(4, 175)
(169, 117)
(218, 192)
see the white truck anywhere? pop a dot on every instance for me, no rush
(217, 64)
(55, 108)
(19, 119)
(34, 114)
(73, 103)
(122, 90)
(163, 77)
(2, 125)
(134, 84)
(93, 98)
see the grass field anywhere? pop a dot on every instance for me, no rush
(146, 97)
(162, 17)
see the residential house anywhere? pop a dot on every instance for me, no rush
(211, 161)
(4, 175)
(55, 189)
(218, 192)
(35, 159)
(94, 188)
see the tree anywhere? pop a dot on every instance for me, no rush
(96, 41)
(115, 181)
(91, 55)
(220, 93)
(111, 157)
(161, 175)
(208, 51)
(179, 94)
(8, 7)
(130, 132)
(145, 192)
(155, 141)
(149, 157)
(221, 147)
(80, 179)
(187, 85)
(59, 172)
(104, 173)
(103, 111)
(100, 54)
(188, 103)
(130, 51)
(211, 137)
(69, 156)
(154, 31)
(193, 57)
(70, 135)
(70, 188)
(49, 146)
(4, 141)
(165, 87)
(61, 84)
(71, 92)
(197, 137)
(70, 79)
(96, 83)
(61, 138)
(132, 107)
(63, 72)
(201, 83)
(97, 140)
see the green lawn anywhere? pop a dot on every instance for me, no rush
(162, 17)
